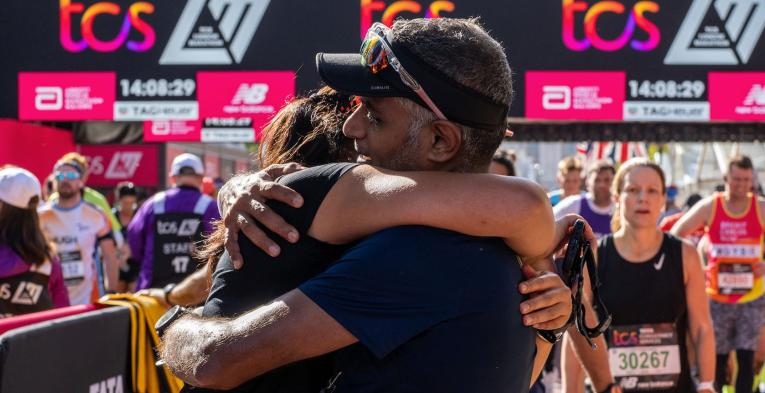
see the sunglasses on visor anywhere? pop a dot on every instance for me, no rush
(377, 54)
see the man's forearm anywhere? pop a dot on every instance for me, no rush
(223, 354)
(213, 353)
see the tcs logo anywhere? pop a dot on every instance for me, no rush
(390, 12)
(636, 19)
(132, 20)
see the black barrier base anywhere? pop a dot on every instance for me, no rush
(82, 353)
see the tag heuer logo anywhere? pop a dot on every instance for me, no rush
(214, 31)
(718, 32)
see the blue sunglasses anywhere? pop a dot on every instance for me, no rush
(61, 176)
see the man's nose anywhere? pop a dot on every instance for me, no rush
(354, 125)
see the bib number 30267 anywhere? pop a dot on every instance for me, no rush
(644, 357)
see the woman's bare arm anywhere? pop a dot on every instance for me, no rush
(369, 199)
(699, 317)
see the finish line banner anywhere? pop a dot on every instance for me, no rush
(147, 60)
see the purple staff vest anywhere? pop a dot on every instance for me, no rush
(600, 223)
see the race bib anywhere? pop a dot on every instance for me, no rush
(72, 265)
(644, 357)
(735, 278)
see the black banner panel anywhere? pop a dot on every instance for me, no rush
(215, 70)
(82, 353)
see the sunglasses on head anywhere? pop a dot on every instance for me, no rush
(377, 54)
(61, 176)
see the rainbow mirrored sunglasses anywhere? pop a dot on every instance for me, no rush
(377, 54)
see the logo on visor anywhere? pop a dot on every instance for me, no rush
(214, 31)
(718, 32)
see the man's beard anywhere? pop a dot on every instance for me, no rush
(405, 158)
(66, 193)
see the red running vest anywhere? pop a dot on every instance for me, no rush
(736, 244)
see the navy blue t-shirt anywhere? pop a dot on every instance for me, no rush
(434, 311)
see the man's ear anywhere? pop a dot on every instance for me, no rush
(446, 140)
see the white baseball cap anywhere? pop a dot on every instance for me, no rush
(18, 186)
(187, 160)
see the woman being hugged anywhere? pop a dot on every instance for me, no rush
(653, 284)
(30, 279)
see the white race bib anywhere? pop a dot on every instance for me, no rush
(72, 265)
(644, 357)
(735, 278)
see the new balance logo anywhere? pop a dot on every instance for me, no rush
(27, 293)
(123, 165)
(754, 102)
(756, 95)
(250, 94)
(214, 31)
(718, 32)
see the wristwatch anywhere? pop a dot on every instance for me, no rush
(167, 289)
(552, 336)
(168, 318)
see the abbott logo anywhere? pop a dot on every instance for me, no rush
(556, 97)
(730, 44)
(123, 165)
(49, 98)
(250, 94)
(225, 42)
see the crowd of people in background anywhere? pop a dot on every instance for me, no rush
(71, 250)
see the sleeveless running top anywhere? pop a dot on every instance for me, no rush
(735, 246)
(75, 233)
(646, 341)
(600, 223)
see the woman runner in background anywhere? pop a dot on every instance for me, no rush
(653, 284)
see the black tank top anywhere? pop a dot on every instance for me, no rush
(264, 278)
(647, 300)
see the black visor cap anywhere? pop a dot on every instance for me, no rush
(345, 73)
